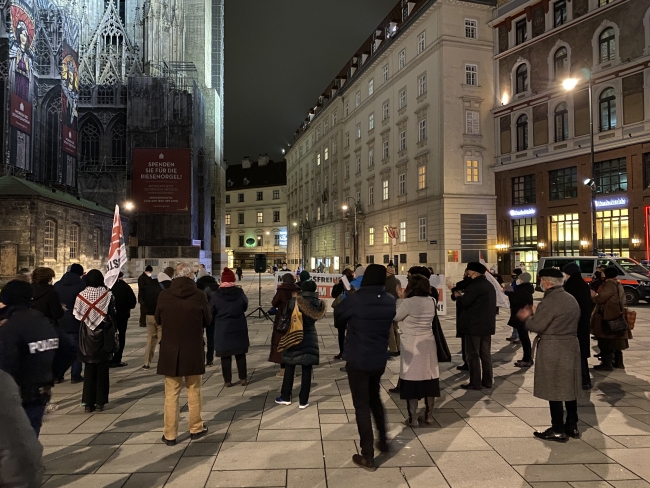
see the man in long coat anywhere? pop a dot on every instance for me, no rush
(557, 365)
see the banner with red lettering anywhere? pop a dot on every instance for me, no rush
(117, 256)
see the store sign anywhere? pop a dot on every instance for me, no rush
(611, 202)
(522, 212)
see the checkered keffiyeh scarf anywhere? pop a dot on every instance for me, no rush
(91, 306)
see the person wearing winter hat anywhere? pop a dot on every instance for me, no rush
(477, 326)
(518, 300)
(229, 304)
(369, 314)
(283, 294)
(304, 276)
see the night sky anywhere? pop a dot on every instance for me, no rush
(280, 55)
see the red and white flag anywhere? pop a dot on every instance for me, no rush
(481, 259)
(117, 253)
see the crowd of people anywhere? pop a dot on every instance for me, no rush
(79, 324)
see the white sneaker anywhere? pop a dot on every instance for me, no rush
(280, 374)
(302, 407)
(51, 407)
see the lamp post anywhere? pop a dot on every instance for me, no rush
(302, 227)
(355, 251)
(569, 84)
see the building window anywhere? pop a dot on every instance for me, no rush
(422, 229)
(318, 160)
(402, 59)
(371, 195)
(74, 241)
(472, 171)
(422, 130)
(347, 239)
(559, 13)
(105, 95)
(602, 3)
(646, 170)
(357, 99)
(521, 32)
(401, 184)
(49, 240)
(471, 29)
(560, 63)
(523, 190)
(563, 183)
(402, 98)
(276, 216)
(97, 243)
(347, 170)
(384, 73)
(260, 240)
(402, 231)
(227, 198)
(335, 147)
(318, 213)
(276, 239)
(347, 139)
(402, 140)
(357, 162)
(227, 241)
(471, 74)
(611, 176)
(358, 131)
(371, 121)
(565, 235)
(607, 43)
(241, 241)
(346, 109)
(422, 42)
(260, 196)
(327, 153)
(240, 198)
(613, 231)
(384, 190)
(422, 85)
(385, 149)
(240, 218)
(607, 111)
(386, 237)
(371, 157)
(422, 177)
(472, 122)
(524, 232)
(561, 122)
(371, 87)
(227, 219)
(473, 237)
(384, 111)
(522, 132)
(334, 117)
(371, 236)
(521, 79)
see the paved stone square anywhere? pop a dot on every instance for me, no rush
(479, 438)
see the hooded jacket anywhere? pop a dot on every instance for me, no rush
(231, 329)
(306, 353)
(369, 314)
(183, 313)
(68, 287)
(47, 301)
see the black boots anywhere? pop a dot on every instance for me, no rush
(618, 360)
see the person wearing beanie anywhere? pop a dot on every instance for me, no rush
(46, 299)
(229, 304)
(306, 354)
(611, 303)
(144, 280)
(304, 276)
(576, 286)
(28, 345)
(557, 358)
(125, 301)
(477, 326)
(284, 292)
(68, 287)
(154, 329)
(368, 313)
(520, 299)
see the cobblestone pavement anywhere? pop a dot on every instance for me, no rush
(479, 439)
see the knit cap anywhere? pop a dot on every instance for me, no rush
(227, 276)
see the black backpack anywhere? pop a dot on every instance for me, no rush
(285, 319)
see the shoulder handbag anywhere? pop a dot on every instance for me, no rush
(442, 349)
(111, 338)
(630, 318)
(285, 319)
(617, 325)
(295, 333)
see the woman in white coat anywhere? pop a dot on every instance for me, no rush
(419, 373)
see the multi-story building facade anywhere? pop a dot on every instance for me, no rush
(542, 130)
(403, 136)
(256, 212)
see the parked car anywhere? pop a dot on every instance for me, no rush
(634, 277)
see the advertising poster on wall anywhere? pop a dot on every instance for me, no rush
(21, 70)
(162, 180)
(69, 98)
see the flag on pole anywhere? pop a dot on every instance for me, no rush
(117, 252)
(481, 259)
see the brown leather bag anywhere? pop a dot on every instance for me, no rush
(630, 318)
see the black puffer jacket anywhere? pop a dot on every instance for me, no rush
(231, 329)
(47, 301)
(518, 300)
(68, 287)
(306, 353)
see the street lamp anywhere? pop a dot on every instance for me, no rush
(129, 206)
(355, 257)
(570, 84)
(304, 226)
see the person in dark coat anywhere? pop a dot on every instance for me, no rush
(598, 279)
(339, 290)
(393, 287)
(154, 330)
(183, 312)
(21, 454)
(518, 300)
(477, 326)
(28, 345)
(240, 272)
(144, 280)
(46, 299)
(369, 314)
(576, 286)
(229, 304)
(95, 310)
(457, 289)
(68, 287)
(511, 289)
(125, 301)
(285, 291)
(209, 285)
(305, 354)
